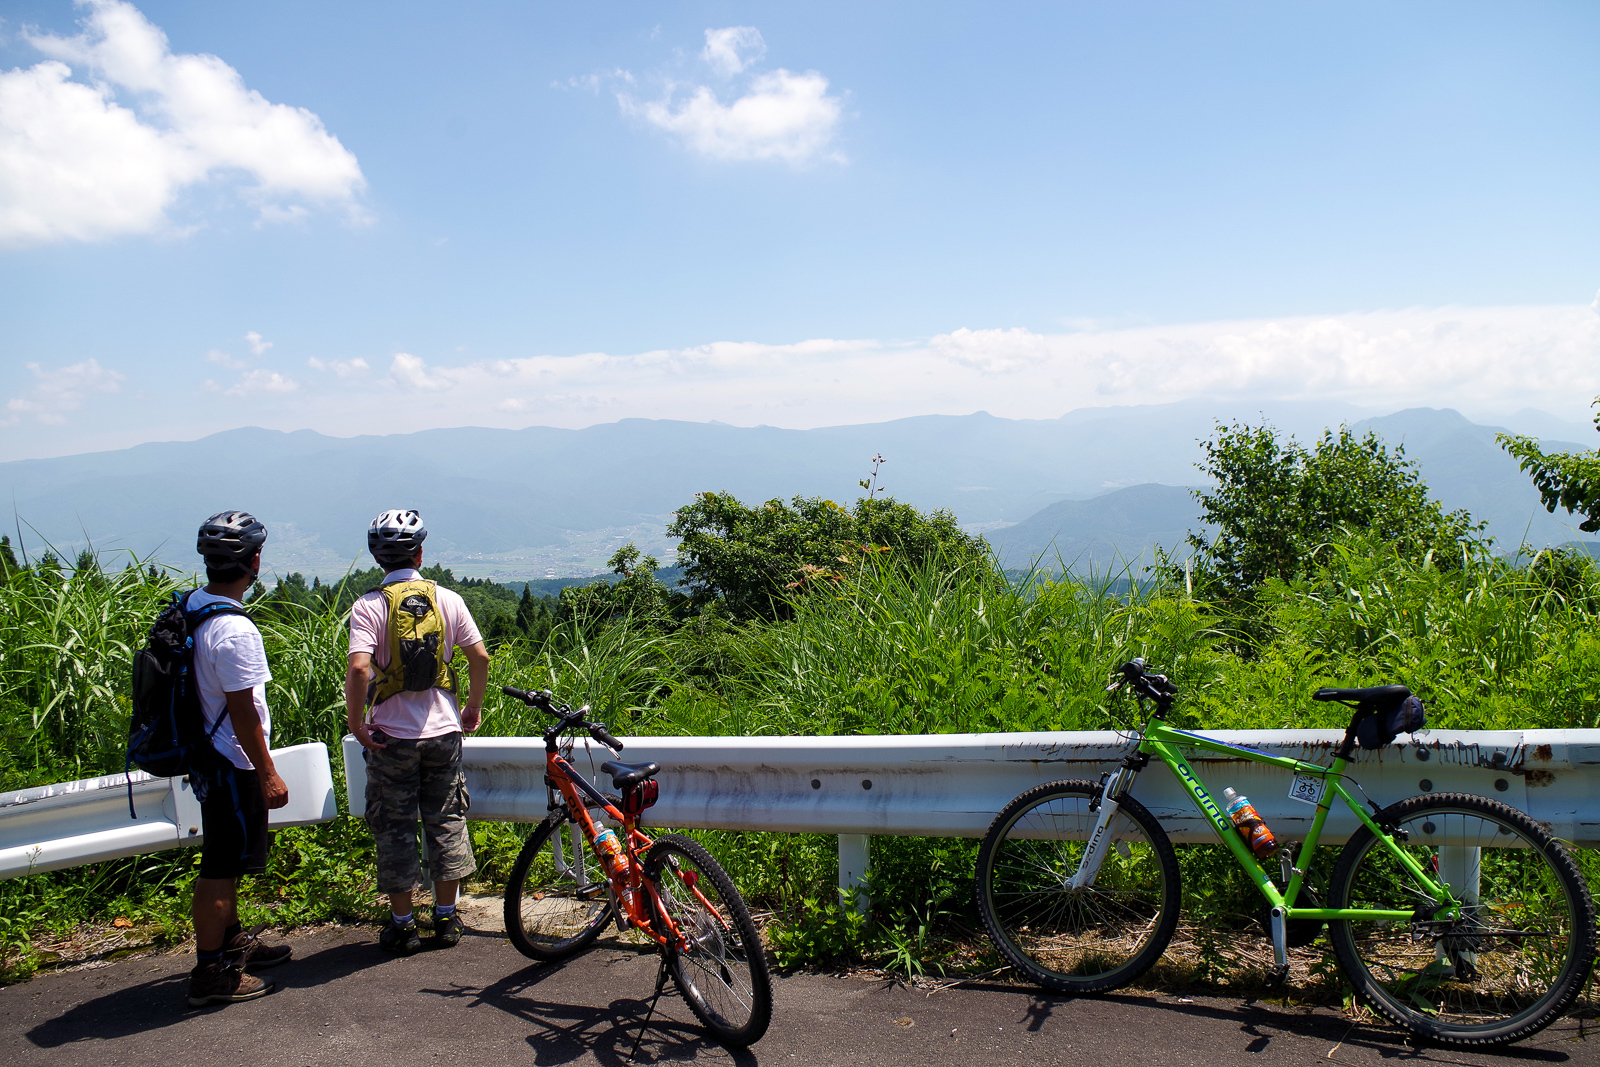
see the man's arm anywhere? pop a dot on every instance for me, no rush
(247, 728)
(356, 678)
(477, 685)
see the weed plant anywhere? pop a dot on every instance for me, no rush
(941, 647)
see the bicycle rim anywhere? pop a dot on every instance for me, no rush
(1097, 937)
(721, 971)
(1509, 965)
(555, 903)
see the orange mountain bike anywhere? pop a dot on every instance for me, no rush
(562, 893)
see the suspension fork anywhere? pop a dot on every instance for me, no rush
(1114, 785)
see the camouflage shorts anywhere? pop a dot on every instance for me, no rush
(408, 779)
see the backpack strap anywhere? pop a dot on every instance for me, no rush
(193, 619)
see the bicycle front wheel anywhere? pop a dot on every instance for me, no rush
(1089, 939)
(721, 970)
(556, 901)
(1508, 965)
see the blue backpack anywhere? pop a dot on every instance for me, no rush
(167, 734)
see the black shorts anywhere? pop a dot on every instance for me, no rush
(233, 816)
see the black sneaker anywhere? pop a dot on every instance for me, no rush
(247, 952)
(446, 929)
(400, 940)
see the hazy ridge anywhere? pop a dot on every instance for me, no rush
(1096, 485)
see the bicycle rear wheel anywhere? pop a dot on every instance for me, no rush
(721, 971)
(1509, 965)
(556, 901)
(1086, 940)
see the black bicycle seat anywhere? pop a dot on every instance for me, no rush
(626, 774)
(1372, 694)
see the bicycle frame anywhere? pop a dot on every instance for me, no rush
(1164, 742)
(579, 796)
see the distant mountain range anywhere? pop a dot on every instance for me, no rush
(1095, 485)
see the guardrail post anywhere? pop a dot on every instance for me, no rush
(1461, 866)
(854, 853)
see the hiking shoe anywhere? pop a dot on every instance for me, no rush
(222, 983)
(400, 940)
(247, 952)
(446, 930)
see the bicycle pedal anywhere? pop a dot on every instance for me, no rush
(1277, 976)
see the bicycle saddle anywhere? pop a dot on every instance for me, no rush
(626, 774)
(1373, 694)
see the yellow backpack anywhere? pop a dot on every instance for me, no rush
(416, 632)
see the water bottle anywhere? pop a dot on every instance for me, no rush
(1250, 825)
(609, 849)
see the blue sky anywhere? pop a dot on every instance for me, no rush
(796, 214)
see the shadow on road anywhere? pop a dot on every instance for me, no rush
(163, 1002)
(1261, 1023)
(568, 1032)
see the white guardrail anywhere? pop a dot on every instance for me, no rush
(50, 827)
(951, 785)
(941, 785)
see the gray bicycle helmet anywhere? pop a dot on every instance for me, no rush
(395, 535)
(230, 537)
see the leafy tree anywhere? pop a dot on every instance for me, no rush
(637, 595)
(535, 615)
(753, 560)
(1569, 480)
(1276, 501)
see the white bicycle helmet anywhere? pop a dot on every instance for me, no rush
(230, 537)
(395, 535)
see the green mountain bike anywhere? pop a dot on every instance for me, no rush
(1456, 916)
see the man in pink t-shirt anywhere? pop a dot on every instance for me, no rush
(412, 733)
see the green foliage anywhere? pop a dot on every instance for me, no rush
(1569, 480)
(925, 644)
(1276, 501)
(638, 597)
(756, 560)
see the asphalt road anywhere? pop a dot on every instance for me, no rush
(342, 1002)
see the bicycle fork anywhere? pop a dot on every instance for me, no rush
(1115, 784)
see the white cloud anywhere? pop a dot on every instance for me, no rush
(344, 368)
(410, 372)
(992, 351)
(84, 162)
(784, 116)
(258, 344)
(733, 48)
(223, 359)
(1483, 361)
(262, 382)
(778, 115)
(1476, 359)
(57, 392)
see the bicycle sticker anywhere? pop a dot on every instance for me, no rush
(1307, 788)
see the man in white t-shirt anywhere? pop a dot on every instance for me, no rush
(412, 734)
(230, 673)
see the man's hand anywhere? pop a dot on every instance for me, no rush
(356, 677)
(273, 789)
(477, 683)
(363, 734)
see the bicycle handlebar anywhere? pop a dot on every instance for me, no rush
(545, 701)
(598, 731)
(1152, 686)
